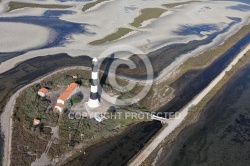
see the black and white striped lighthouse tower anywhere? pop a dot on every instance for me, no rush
(93, 98)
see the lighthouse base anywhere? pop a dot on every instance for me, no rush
(93, 103)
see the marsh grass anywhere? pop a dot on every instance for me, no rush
(92, 4)
(147, 14)
(20, 5)
(114, 36)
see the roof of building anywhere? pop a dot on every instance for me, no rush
(64, 96)
(36, 121)
(43, 90)
(75, 76)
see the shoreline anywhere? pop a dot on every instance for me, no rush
(175, 123)
(172, 69)
(164, 152)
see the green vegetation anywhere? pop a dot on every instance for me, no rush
(76, 99)
(92, 4)
(84, 132)
(158, 96)
(114, 36)
(172, 5)
(32, 106)
(196, 110)
(20, 5)
(147, 14)
(91, 129)
(26, 137)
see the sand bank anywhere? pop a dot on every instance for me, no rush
(153, 35)
(19, 36)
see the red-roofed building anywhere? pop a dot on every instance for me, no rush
(42, 92)
(72, 89)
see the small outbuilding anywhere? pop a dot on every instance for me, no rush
(42, 92)
(75, 76)
(36, 122)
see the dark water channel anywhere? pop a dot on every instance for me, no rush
(221, 136)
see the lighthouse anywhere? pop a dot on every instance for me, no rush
(93, 98)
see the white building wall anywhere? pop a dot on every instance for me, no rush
(59, 108)
(60, 101)
(41, 94)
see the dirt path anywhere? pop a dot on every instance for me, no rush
(174, 123)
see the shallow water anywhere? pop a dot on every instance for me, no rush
(165, 56)
(244, 1)
(192, 82)
(221, 136)
(51, 20)
(240, 7)
(196, 30)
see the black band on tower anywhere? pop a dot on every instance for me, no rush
(94, 82)
(93, 96)
(94, 68)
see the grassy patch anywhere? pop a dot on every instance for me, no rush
(114, 36)
(147, 14)
(172, 5)
(90, 5)
(20, 5)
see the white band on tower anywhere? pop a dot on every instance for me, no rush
(94, 75)
(94, 89)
